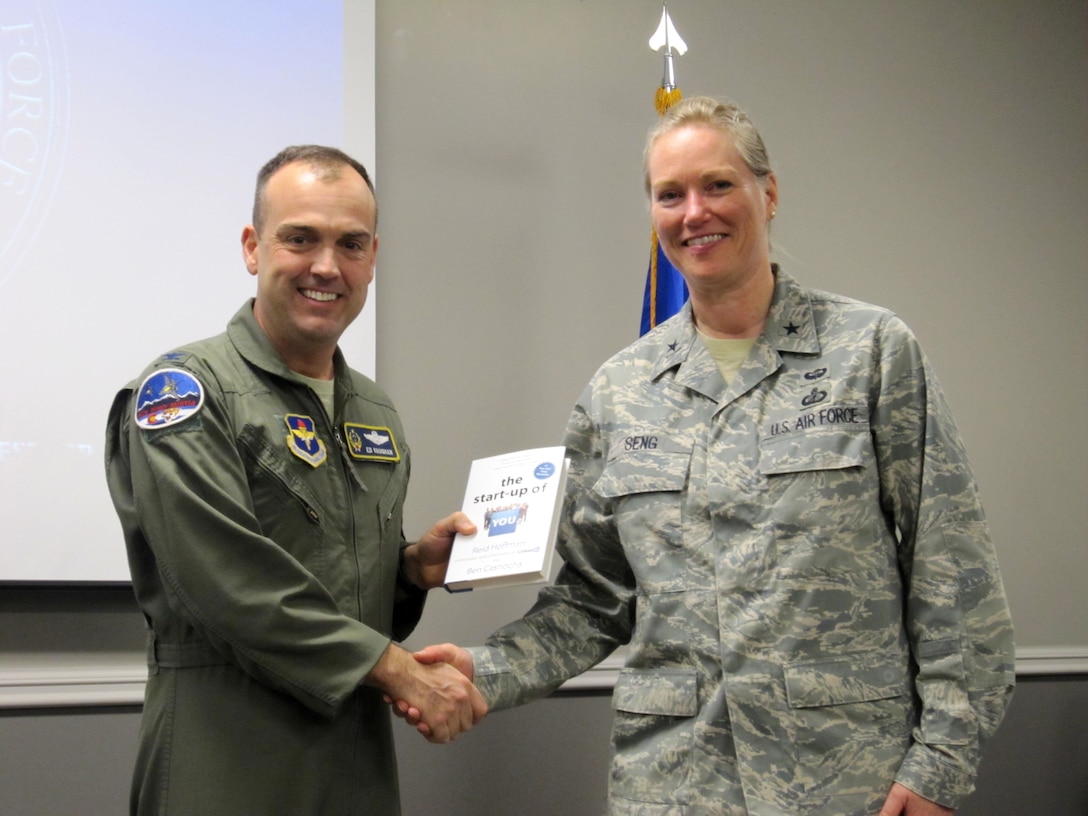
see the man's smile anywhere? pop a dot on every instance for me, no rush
(313, 294)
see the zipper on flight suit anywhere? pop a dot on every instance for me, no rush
(350, 478)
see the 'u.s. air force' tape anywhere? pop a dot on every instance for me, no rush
(166, 397)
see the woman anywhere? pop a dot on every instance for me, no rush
(770, 503)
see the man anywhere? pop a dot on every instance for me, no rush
(260, 485)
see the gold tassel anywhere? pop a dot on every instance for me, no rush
(665, 99)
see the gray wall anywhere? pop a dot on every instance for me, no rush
(930, 158)
(546, 759)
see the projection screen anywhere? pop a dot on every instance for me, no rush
(130, 137)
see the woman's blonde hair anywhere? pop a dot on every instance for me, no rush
(724, 116)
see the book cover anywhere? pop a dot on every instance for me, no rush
(514, 499)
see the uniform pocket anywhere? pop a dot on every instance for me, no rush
(835, 681)
(661, 471)
(272, 482)
(653, 731)
(822, 489)
(853, 717)
(816, 449)
(646, 491)
(948, 718)
(289, 515)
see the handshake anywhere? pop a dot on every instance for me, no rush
(431, 689)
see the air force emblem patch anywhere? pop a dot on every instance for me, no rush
(302, 440)
(371, 442)
(166, 397)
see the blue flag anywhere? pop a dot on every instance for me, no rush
(665, 290)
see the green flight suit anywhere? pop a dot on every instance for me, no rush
(263, 539)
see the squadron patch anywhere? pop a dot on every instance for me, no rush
(371, 442)
(302, 440)
(166, 397)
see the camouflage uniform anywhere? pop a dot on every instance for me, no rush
(799, 561)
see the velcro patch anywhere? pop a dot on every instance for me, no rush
(303, 440)
(166, 397)
(371, 442)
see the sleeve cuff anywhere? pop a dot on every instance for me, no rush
(933, 774)
(493, 676)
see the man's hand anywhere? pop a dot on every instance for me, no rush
(443, 653)
(442, 699)
(903, 801)
(450, 653)
(425, 561)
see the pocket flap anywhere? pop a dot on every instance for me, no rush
(672, 692)
(814, 450)
(847, 679)
(644, 472)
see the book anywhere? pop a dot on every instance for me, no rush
(515, 500)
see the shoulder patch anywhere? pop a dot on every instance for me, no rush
(166, 397)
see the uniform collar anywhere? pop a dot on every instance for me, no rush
(790, 325)
(253, 344)
(789, 328)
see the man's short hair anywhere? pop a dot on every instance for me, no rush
(328, 160)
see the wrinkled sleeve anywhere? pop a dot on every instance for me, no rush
(588, 612)
(957, 617)
(197, 550)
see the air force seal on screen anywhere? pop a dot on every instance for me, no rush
(371, 442)
(34, 106)
(166, 397)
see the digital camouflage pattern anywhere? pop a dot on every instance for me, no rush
(799, 562)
